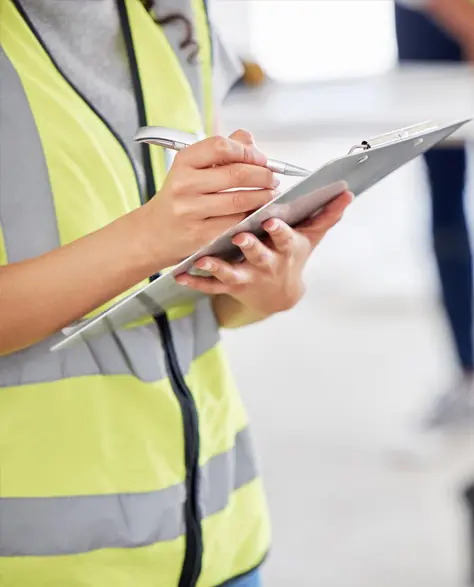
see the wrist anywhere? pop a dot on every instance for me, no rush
(232, 313)
(149, 254)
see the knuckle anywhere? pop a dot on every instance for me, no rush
(263, 259)
(244, 136)
(248, 155)
(238, 201)
(268, 177)
(287, 241)
(181, 209)
(238, 174)
(179, 185)
(222, 146)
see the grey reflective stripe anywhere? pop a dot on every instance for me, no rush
(71, 525)
(134, 351)
(201, 332)
(226, 472)
(27, 212)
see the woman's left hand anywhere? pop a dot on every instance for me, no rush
(270, 279)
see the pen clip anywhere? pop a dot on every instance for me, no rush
(401, 134)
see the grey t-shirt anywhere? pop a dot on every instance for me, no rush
(85, 39)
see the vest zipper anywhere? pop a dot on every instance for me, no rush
(194, 542)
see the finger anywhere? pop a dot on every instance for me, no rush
(230, 203)
(215, 226)
(235, 175)
(331, 213)
(231, 275)
(315, 228)
(206, 285)
(242, 136)
(284, 238)
(219, 151)
(256, 253)
(245, 137)
(335, 209)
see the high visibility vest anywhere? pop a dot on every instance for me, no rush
(124, 461)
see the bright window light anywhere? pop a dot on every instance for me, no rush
(301, 40)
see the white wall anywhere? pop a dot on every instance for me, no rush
(233, 19)
(297, 40)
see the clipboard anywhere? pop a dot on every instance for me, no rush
(365, 165)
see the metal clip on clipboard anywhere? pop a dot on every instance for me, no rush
(395, 136)
(382, 156)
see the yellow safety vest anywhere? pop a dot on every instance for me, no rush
(125, 461)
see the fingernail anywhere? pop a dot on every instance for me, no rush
(183, 281)
(276, 181)
(205, 266)
(273, 225)
(244, 242)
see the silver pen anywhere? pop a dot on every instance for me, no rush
(177, 140)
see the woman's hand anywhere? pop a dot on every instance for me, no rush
(270, 279)
(190, 210)
(193, 206)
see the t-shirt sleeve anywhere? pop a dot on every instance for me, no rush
(227, 67)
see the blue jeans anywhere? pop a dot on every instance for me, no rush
(251, 580)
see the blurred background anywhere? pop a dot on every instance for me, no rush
(361, 494)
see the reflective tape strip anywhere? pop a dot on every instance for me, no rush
(27, 211)
(78, 524)
(225, 472)
(71, 525)
(136, 351)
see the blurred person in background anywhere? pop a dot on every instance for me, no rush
(127, 460)
(441, 31)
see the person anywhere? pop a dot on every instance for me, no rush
(443, 31)
(127, 460)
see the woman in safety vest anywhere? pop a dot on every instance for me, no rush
(126, 461)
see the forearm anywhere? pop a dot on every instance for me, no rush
(42, 295)
(457, 17)
(230, 313)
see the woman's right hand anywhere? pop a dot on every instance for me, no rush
(193, 208)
